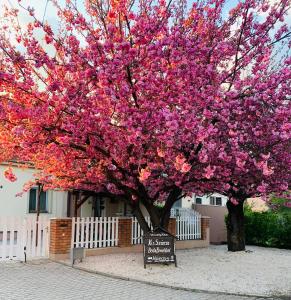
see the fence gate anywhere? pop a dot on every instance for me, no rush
(95, 232)
(22, 237)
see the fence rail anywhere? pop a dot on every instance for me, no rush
(95, 232)
(23, 236)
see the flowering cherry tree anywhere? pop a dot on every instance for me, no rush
(148, 101)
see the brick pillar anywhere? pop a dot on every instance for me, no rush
(205, 227)
(124, 232)
(60, 236)
(172, 226)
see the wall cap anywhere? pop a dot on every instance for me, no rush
(62, 219)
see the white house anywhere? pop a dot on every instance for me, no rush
(207, 199)
(53, 203)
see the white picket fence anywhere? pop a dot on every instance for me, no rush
(137, 232)
(18, 236)
(103, 232)
(188, 225)
(188, 228)
(95, 232)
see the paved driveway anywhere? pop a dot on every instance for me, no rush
(48, 280)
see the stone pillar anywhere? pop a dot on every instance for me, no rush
(172, 226)
(205, 227)
(124, 232)
(60, 237)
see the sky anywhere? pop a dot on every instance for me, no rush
(46, 6)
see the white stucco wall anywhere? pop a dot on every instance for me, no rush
(10, 205)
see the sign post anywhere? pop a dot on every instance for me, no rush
(159, 248)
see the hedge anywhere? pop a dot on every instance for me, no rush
(268, 229)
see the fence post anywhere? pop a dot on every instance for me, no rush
(124, 232)
(60, 237)
(205, 232)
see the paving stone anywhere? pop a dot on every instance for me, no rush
(46, 280)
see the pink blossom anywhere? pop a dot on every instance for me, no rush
(262, 188)
(185, 168)
(161, 152)
(266, 170)
(209, 171)
(144, 174)
(9, 175)
(180, 160)
(240, 163)
(234, 201)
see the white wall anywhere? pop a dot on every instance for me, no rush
(10, 205)
(86, 208)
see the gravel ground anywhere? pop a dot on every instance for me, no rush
(258, 271)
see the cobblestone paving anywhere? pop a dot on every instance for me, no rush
(51, 281)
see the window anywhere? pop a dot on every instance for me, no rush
(198, 200)
(212, 200)
(33, 193)
(216, 201)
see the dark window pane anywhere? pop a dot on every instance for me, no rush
(218, 201)
(212, 200)
(198, 200)
(43, 207)
(32, 200)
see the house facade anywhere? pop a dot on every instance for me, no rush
(213, 199)
(53, 203)
(58, 203)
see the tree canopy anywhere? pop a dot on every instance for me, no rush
(150, 99)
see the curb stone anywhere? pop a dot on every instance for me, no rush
(272, 297)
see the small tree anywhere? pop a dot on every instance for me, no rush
(147, 101)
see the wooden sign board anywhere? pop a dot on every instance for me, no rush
(159, 248)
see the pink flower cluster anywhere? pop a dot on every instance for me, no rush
(9, 175)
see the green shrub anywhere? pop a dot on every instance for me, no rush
(268, 229)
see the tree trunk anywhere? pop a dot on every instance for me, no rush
(166, 212)
(159, 217)
(154, 214)
(38, 211)
(140, 218)
(235, 227)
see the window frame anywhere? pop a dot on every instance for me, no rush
(213, 200)
(220, 199)
(46, 211)
(200, 200)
